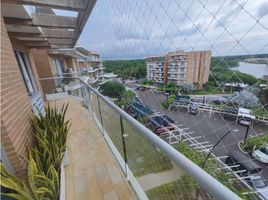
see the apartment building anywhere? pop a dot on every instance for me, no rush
(70, 62)
(180, 67)
(91, 64)
(156, 69)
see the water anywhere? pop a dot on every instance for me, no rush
(257, 70)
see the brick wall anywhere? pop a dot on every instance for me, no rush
(16, 131)
(45, 68)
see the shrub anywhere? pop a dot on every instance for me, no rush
(51, 134)
(113, 89)
(169, 101)
(255, 142)
(44, 159)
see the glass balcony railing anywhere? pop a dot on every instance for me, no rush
(153, 168)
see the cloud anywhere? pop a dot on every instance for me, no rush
(136, 29)
(263, 9)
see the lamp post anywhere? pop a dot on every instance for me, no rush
(205, 161)
(246, 135)
(203, 165)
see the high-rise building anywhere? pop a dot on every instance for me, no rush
(179, 67)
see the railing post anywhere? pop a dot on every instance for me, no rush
(124, 144)
(100, 116)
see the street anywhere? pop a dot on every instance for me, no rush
(211, 129)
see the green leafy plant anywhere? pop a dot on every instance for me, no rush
(51, 134)
(165, 104)
(113, 89)
(255, 142)
(127, 98)
(212, 168)
(44, 159)
(39, 186)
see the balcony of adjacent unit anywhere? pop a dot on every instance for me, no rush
(170, 71)
(113, 156)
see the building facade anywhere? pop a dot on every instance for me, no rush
(91, 64)
(26, 39)
(179, 67)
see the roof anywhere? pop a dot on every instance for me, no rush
(42, 28)
(109, 75)
(245, 161)
(85, 51)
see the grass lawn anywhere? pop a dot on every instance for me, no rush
(208, 90)
(260, 112)
(183, 188)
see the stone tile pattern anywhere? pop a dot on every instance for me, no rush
(92, 172)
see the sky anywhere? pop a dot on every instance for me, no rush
(131, 29)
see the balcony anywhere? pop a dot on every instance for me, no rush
(113, 156)
(92, 172)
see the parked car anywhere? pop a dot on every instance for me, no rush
(245, 116)
(258, 184)
(160, 124)
(141, 88)
(230, 113)
(242, 163)
(168, 119)
(261, 154)
(193, 108)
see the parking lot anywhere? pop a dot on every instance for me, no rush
(210, 129)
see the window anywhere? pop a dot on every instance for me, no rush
(26, 71)
(59, 70)
(59, 66)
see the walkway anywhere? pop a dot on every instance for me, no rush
(92, 172)
(153, 180)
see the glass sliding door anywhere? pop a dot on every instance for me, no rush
(26, 71)
(59, 70)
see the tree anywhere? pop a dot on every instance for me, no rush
(188, 88)
(126, 68)
(244, 99)
(113, 89)
(263, 95)
(126, 99)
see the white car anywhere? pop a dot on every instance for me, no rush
(259, 185)
(261, 154)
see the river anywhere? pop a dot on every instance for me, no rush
(257, 70)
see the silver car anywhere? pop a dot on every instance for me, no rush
(261, 154)
(259, 185)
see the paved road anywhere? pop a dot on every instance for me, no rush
(211, 129)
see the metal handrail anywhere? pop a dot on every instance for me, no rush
(205, 180)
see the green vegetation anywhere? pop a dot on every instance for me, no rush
(255, 142)
(147, 83)
(117, 90)
(126, 98)
(126, 68)
(232, 61)
(263, 96)
(185, 187)
(168, 87)
(212, 168)
(44, 159)
(169, 101)
(260, 112)
(143, 157)
(113, 89)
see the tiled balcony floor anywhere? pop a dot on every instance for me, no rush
(92, 173)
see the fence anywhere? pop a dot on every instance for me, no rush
(142, 154)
